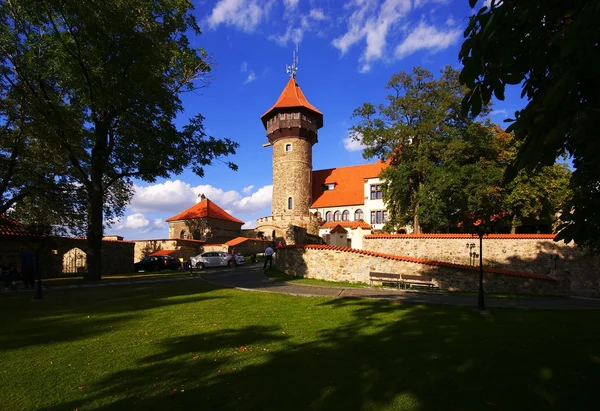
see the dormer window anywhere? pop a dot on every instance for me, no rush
(288, 147)
(328, 187)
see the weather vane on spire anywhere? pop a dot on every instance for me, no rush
(291, 70)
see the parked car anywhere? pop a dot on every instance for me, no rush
(212, 259)
(157, 263)
(239, 259)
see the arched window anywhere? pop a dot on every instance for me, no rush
(346, 215)
(288, 147)
(328, 216)
(289, 203)
(183, 235)
(336, 216)
(358, 215)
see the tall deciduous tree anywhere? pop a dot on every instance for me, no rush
(551, 48)
(420, 114)
(104, 77)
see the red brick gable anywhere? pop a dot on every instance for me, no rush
(204, 209)
(349, 184)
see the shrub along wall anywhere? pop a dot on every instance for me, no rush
(345, 264)
(534, 253)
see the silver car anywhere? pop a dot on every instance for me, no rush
(212, 259)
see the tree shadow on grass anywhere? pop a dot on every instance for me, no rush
(389, 356)
(69, 315)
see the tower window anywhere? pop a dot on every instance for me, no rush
(345, 215)
(289, 203)
(281, 116)
(296, 116)
(183, 235)
(337, 216)
(303, 117)
(288, 116)
(358, 215)
(328, 216)
(288, 147)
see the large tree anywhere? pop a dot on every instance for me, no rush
(104, 78)
(551, 49)
(446, 169)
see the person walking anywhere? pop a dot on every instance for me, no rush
(26, 266)
(268, 257)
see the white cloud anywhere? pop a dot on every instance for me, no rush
(167, 196)
(245, 15)
(498, 112)
(292, 34)
(373, 22)
(251, 77)
(159, 223)
(249, 224)
(136, 220)
(175, 196)
(317, 14)
(354, 142)
(244, 67)
(426, 37)
(291, 3)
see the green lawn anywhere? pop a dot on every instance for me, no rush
(279, 275)
(77, 279)
(186, 345)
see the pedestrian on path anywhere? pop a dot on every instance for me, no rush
(268, 257)
(26, 266)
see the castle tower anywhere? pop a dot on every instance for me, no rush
(291, 126)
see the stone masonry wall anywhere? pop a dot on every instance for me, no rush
(521, 252)
(292, 173)
(344, 264)
(222, 231)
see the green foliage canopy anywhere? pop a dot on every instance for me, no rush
(104, 78)
(551, 49)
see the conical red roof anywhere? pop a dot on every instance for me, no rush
(292, 96)
(205, 209)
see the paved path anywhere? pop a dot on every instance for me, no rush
(251, 277)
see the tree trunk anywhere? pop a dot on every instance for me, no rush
(513, 226)
(416, 224)
(94, 233)
(96, 204)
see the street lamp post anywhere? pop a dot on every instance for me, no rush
(482, 230)
(41, 231)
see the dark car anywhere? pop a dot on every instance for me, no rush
(157, 263)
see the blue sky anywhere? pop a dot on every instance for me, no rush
(347, 53)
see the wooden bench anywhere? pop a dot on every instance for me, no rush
(384, 278)
(421, 280)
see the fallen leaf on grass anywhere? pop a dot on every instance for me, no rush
(82, 386)
(195, 357)
(146, 334)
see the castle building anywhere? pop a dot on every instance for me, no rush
(204, 221)
(345, 202)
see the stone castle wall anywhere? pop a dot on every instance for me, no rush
(535, 253)
(345, 264)
(292, 174)
(221, 230)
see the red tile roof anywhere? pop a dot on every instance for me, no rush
(349, 184)
(163, 252)
(8, 226)
(292, 96)
(424, 261)
(490, 236)
(338, 229)
(236, 241)
(205, 209)
(352, 225)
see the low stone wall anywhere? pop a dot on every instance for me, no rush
(345, 264)
(534, 253)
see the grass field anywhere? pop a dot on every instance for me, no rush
(186, 345)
